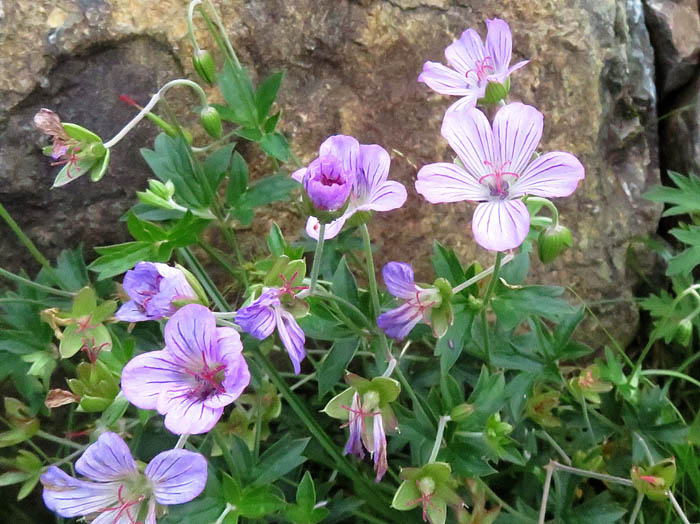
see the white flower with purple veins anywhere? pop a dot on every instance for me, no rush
(199, 372)
(473, 64)
(498, 170)
(153, 287)
(266, 313)
(117, 492)
(367, 167)
(398, 322)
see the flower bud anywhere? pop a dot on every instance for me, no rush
(327, 183)
(204, 64)
(552, 242)
(461, 412)
(161, 190)
(684, 333)
(211, 121)
(495, 92)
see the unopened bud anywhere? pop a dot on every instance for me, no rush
(684, 333)
(211, 121)
(461, 412)
(552, 242)
(495, 92)
(204, 64)
(161, 190)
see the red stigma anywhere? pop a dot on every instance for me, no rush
(498, 173)
(124, 506)
(481, 69)
(287, 288)
(128, 100)
(207, 379)
(424, 499)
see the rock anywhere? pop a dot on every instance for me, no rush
(674, 26)
(352, 68)
(680, 131)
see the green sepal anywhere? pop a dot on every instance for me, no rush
(80, 134)
(495, 92)
(659, 479)
(103, 311)
(69, 173)
(204, 65)
(211, 121)
(335, 408)
(552, 242)
(84, 303)
(99, 170)
(89, 404)
(359, 218)
(407, 496)
(195, 284)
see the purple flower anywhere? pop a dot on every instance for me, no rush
(260, 318)
(200, 370)
(117, 493)
(371, 191)
(474, 64)
(398, 322)
(328, 183)
(153, 287)
(375, 439)
(498, 171)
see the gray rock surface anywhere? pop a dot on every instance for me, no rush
(351, 68)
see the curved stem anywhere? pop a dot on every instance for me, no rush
(151, 104)
(438, 437)
(549, 205)
(637, 507)
(677, 507)
(482, 275)
(670, 373)
(545, 493)
(59, 440)
(190, 23)
(318, 254)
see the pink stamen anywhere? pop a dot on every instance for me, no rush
(71, 160)
(498, 174)
(287, 288)
(124, 506)
(358, 413)
(424, 500)
(481, 69)
(207, 377)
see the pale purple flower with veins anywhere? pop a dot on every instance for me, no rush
(116, 492)
(399, 280)
(328, 183)
(199, 372)
(371, 191)
(153, 287)
(498, 171)
(266, 313)
(473, 64)
(374, 440)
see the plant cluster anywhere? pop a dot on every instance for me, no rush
(161, 398)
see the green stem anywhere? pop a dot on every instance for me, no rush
(318, 254)
(227, 47)
(58, 440)
(670, 373)
(26, 241)
(190, 23)
(201, 275)
(27, 282)
(417, 401)
(371, 275)
(218, 256)
(545, 493)
(592, 474)
(637, 507)
(556, 446)
(483, 274)
(258, 426)
(549, 205)
(487, 298)
(438, 437)
(182, 441)
(677, 507)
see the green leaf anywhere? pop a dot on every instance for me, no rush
(217, 164)
(275, 145)
(238, 179)
(515, 305)
(80, 134)
(266, 94)
(333, 367)
(237, 90)
(144, 231)
(271, 123)
(252, 134)
(685, 262)
(115, 260)
(446, 264)
(449, 347)
(684, 199)
(344, 284)
(258, 502)
(270, 189)
(306, 492)
(275, 241)
(100, 167)
(278, 460)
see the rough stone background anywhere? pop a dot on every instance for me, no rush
(351, 68)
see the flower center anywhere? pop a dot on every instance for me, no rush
(287, 287)
(68, 158)
(125, 506)
(482, 69)
(331, 171)
(427, 490)
(208, 379)
(497, 185)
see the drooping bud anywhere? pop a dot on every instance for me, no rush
(211, 121)
(552, 242)
(462, 412)
(684, 333)
(204, 64)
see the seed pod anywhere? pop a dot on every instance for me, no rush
(211, 121)
(204, 64)
(552, 242)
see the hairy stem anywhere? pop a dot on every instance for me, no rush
(318, 254)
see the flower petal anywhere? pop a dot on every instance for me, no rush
(292, 337)
(189, 333)
(444, 80)
(344, 148)
(385, 197)
(499, 45)
(187, 415)
(517, 129)
(313, 227)
(554, 174)
(463, 53)
(141, 282)
(147, 375)
(131, 311)
(469, 133)
(517, 66)
(108, 459)
(258, 319)
(468, 101)
(172, 287)
(443, 182)
(501, 224)
(70, 497)
(398, 322)
(374, 168)
(399, 279)
(298, 175)
(177, 475)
